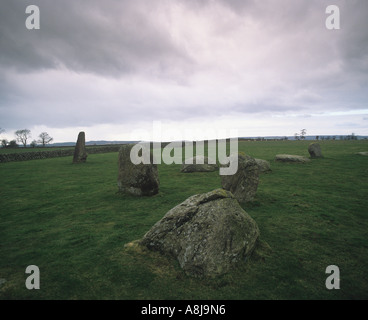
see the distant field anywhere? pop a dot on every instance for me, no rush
(70, 221)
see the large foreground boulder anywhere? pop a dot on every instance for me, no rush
(136, 179)
(199, 164)
(208, 233)
(244, 183)
(80, 154)
(314, 150)
(291, 158)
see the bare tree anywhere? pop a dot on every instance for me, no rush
(303, 133)
(4, 143)
(44, 138)
(23, 135)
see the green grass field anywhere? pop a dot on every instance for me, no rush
(70, 221)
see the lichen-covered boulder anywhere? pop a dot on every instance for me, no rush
(199, 164)
(264, 166)
(136, 179)
(207, 233)
(244, 183)
(291, 158)
(314, 150)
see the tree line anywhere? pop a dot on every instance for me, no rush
(348, 137)
(23, 136)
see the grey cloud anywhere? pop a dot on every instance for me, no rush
(109, 38)
(19, 47)
(259, 57)
(353, 40)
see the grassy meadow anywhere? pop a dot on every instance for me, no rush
(70, 221)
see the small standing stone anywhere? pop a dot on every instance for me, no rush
(80, 154)
(136, 179)
(244, 183)
(314, 150)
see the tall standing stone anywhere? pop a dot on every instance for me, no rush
(136, 179)
(80, 154)
(314, 150)
(244, 183)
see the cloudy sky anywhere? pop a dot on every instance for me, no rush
(121, 70)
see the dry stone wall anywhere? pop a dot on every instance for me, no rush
(36, 155)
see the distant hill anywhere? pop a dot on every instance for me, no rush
(321, 137)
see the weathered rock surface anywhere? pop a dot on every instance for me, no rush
(244, 183)
(2, 282)
(314, 150)
(264, 165)
(208, 233)
(136, 179)
(80, 154)
(199, 164)
(291, 158)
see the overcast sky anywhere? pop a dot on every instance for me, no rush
(116, 68)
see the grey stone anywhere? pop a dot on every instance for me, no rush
(136, 179)
(264, 165)
(244, 183)
(80, 154)
(199, 164)
(291, 158)
(207, 233)
(314, 150)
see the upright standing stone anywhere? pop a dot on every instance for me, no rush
(136, 179)
(244, 183)
(80, 154)
(314, 150)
